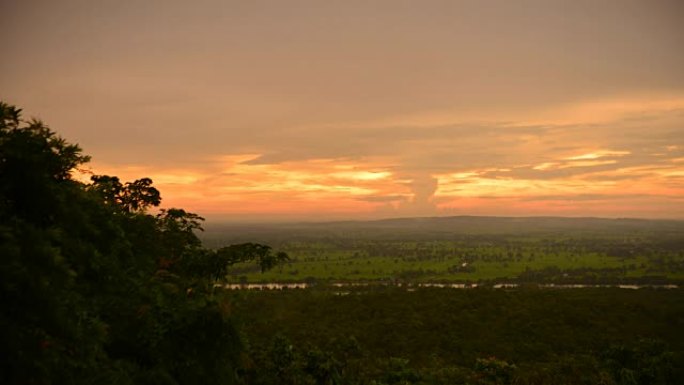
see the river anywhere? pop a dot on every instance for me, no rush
(413, 286)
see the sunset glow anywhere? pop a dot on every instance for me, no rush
(312, 111)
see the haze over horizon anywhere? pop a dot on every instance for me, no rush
(307, 110)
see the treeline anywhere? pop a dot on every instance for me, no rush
(96, 290)
(383, 335)
(470, 229)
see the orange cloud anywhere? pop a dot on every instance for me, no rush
(234, 185)
(599, 169)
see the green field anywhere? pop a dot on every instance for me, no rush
(468, 249)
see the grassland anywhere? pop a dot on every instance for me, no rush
(450, 250)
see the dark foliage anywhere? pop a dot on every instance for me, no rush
(385, 335)
(94, 289)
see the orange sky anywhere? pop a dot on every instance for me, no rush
(328, 110)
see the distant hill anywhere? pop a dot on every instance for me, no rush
(435, 228)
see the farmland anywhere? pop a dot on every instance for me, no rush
(467, 249)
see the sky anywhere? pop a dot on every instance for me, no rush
(321, 110)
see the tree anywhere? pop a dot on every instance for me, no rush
(94, 288)
(642, 363)
(131, 197)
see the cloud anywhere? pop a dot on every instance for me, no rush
(340, 107)
(433, 170)
(585, 197)
(384, 198)
(599, 154)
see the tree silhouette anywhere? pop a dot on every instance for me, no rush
(94, 288)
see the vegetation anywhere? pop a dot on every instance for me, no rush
(387, 335)
(94, 288)
(540, 250)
